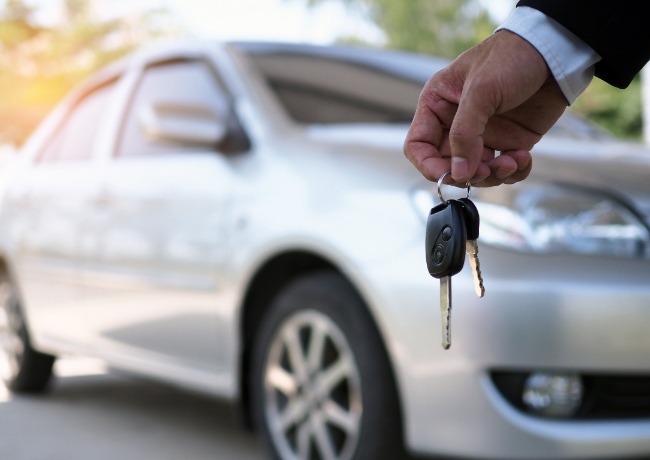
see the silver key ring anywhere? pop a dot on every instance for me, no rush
(441, 180)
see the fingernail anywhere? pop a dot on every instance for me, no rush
(459, 168)
(502, 173)
(523, 166)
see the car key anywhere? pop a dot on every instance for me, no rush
(472, 220)
(445, 242)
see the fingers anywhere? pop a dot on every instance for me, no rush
(524, 161)
(508, 168)
(433, 162)
(481, 103)
(428, 131)
(431, 153)
(504, 80)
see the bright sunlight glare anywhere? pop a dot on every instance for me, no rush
(280, 20)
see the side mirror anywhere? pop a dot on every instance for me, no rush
(182, 123)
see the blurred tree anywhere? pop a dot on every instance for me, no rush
(619, 111)
(39, 64)
(446, 28)
(442, 28)
(15, 27)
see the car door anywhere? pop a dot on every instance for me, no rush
(50, 206)
(158, 280)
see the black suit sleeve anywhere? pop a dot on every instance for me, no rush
(617, 30)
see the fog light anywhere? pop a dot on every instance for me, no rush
(553, 395)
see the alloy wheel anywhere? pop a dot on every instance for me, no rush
(12, 344)
(312, 388)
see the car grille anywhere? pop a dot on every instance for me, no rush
(609, 397)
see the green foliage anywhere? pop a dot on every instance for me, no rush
(39, 65)
(442, 28)
(619, 111)
(446, 28)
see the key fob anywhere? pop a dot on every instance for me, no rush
(472, 219)
(446, 238)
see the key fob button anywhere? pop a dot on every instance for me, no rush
(446, 234)
(438, 255)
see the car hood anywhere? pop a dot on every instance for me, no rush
(606, 163)
(621, 168)
(375, 149)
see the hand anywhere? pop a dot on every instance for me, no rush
(497, 96)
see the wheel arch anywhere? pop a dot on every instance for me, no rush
(267, 282)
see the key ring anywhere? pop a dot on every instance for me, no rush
(441, 180)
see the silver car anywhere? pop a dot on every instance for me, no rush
(239, 219)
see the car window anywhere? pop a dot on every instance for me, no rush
(317, 89)
(74, 140)
(180, 83)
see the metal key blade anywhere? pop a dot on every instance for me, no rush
(445, 310)
(472, 251)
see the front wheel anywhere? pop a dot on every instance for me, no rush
(22, 368)
(322, 384)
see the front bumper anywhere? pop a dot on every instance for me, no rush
(574, 313)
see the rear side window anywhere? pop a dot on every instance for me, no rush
(183, 82)
(74, 140)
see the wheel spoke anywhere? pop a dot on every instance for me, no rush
(11, 345)
(12, 349)
(338, 416)
(296, 356)
(281, 380)
(316, 346)
(304, 440)
(5, 293)
(13, 320)
(329, 378)
(322, 437)
(295, 411)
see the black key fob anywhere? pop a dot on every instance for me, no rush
(446, 238)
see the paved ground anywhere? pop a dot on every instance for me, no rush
(93, 415)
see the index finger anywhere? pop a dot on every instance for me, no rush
(423, 143)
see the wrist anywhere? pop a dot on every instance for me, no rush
(570, 60)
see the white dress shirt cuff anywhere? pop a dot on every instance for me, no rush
(572, 61)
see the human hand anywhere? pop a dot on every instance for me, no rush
(497, 96)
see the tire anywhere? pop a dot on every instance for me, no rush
(322, 386)
(22, 368)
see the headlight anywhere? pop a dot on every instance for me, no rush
(556, 218)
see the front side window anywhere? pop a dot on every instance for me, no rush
(181, 92)
(75, 138)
